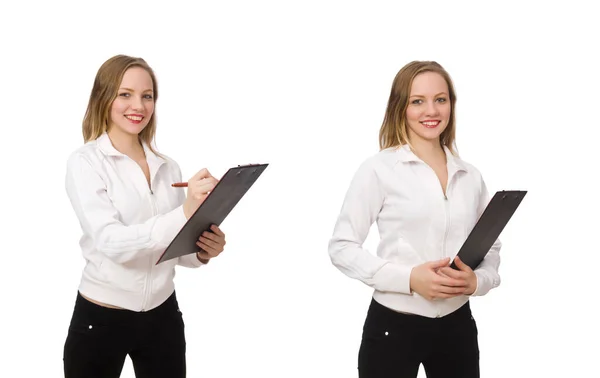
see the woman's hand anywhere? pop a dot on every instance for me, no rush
(211, 244)
(425, 280)
(199, 186)
(465, 273)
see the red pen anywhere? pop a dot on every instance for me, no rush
(185, 184)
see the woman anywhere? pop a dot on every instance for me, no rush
(120, 189)
(425, 200)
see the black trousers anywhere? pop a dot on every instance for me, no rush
(100, 338)
(394, 345)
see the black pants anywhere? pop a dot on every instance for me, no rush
(100, 338)
(394, 344)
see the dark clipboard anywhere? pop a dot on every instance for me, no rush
(489, 227)
(218, 204)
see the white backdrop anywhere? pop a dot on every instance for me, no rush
(303, 86)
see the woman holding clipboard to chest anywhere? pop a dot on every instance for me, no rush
(121, 190)
(425, 200)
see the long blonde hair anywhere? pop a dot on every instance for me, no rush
(105, 90)
(394, 130)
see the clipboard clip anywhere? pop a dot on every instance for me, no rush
(247, 166)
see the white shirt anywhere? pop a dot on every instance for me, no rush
(416, 223)
(126, 224)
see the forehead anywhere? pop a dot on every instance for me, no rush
(136, 78)
(428, 83)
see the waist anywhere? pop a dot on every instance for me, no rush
(114, 296)
(121, 314)
(100, 303)
(416, 305)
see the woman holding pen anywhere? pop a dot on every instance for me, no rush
(121, 190)
(425, 200)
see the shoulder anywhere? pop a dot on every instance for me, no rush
(89, 153)
(474, 175)
(471, 168)
(153, 153)
(170, 162)
(387, 158)
(375, 167)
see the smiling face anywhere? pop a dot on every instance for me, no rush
(429, 109)
(133, 107)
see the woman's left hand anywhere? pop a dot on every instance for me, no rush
(465, 273)
(211, 244)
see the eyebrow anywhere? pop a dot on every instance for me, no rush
(441, 93)
(131, 90)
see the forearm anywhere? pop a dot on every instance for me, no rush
(487, 274)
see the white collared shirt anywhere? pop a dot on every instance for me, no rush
(416, 223)
(126, 224)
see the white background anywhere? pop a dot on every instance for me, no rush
(303, 86)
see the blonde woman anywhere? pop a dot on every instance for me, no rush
(425, 200)
(120, 189)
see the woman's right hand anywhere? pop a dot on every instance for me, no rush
(425, 281)
(199, 186)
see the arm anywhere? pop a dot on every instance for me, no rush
(192, 260)
(360, 209)
(100, 220)
(487, 272)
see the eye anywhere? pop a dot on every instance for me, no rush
(417, 102)
(124, 94)
(148, 97)
(441, 99)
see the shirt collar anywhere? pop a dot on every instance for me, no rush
(108, 149)
(405, 155)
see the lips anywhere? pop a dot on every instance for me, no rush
(134, 118)
(431, 124)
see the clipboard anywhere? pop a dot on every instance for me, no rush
(489, 226)
(218, 204)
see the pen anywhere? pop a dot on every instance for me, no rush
(185, 184)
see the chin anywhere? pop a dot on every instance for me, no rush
(133, 129)
(431, 135)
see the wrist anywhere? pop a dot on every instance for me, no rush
(186, 211)
(203, 261)
(472, 288)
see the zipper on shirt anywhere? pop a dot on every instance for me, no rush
(154, 209)
(147, 287)
(447, 213)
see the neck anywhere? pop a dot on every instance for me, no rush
(427, 150)
(127, 144)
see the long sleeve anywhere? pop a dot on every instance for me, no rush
(362, 204)
(487, 274)
(99, 219)
(188, 261)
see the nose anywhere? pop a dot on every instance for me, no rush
(137, 103)
(432, 109)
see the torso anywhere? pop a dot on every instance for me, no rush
(439, 166)
(441, 172)
(144, 165)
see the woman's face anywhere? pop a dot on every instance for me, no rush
(429, 109)
(131, 111)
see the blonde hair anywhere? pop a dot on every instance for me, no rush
(105, 90)
(394, 130)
